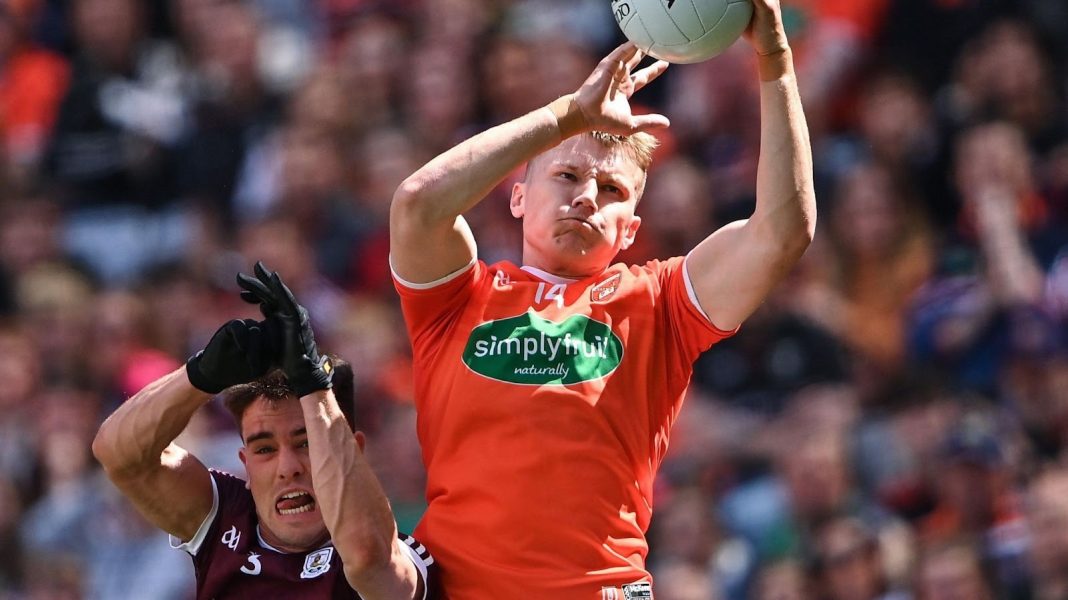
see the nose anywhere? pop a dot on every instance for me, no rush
(587, 195)
(290, 464)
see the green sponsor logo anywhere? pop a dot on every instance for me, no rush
(529, 350)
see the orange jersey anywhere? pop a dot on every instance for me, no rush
(544, 410)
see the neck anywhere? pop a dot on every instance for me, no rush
(269, 539)
(565, 269)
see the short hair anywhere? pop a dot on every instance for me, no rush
(637, 146)
(274, 387)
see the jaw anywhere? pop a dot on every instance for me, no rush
(294, 537)
(294, 533)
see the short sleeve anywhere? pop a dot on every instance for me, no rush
(193, 545)
(695, 331)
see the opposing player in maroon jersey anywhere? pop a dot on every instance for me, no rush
(311, 520)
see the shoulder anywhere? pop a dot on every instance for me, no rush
(232, 505)
(652, 275)
(231, 488)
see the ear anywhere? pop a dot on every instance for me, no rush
(631, 232)
(519, 189)
(244, 461)
(361, 440)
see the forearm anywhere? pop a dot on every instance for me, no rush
(134, 437)
(459, 178)
(353, 504)
(786, 202)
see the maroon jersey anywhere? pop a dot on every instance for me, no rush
(233, 561)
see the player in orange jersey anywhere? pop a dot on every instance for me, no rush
(546, 392)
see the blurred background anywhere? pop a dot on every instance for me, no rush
(892, 424)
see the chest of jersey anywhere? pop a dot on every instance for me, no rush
(537, 333)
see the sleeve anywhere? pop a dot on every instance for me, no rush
(430, 309)
(424, 563)
(693, 330)
(194, 544)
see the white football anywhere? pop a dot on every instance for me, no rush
(682, 31)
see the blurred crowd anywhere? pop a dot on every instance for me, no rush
(892, 423)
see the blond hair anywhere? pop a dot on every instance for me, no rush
(638, 147)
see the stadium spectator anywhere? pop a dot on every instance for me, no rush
(32, 83)
(309, 493)
(590, 442)
(1047, 515)
(111, 154)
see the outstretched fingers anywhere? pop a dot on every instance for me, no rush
(647, 122)
(644, 76)
(282, 294)
(635, 59)
(255, 290)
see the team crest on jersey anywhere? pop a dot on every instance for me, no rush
(317, 563)
(529, 350)
(643, 590)
(606, 289)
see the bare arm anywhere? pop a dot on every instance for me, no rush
(428, 237)
(169, 486)
(734, 268)
(354, 507)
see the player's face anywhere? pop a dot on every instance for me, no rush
(577, 206)
(279, 475)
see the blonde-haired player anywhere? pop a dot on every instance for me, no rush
(546, 392)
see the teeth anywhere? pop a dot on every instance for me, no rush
(296, 511)
(291, 495)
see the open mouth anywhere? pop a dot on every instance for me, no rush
(295, 503)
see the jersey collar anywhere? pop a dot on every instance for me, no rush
(546, 276)
(265, 545)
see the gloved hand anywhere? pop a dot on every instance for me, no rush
(238, 352)
(305, 369)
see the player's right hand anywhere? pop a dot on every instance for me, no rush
(604, 98)
(240, 351)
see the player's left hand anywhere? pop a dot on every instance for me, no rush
(306, 370)
(604, 98)
(765, 31)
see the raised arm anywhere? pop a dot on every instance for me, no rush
(734, 268)
(428, 237)
(167, 484)
(354, 507)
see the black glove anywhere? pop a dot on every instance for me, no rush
(305, 369)
(240, 351)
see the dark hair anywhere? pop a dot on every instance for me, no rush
(273, 387)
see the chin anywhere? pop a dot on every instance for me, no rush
(298, 536)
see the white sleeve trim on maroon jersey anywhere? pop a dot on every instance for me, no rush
(419, 556)
(193, 545)
(431, 284)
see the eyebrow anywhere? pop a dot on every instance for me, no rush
(607, 176)
(261, 435)
(267, 435)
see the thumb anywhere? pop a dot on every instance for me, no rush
(647, 122)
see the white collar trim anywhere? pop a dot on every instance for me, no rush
(547, 276)
(263, 542)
